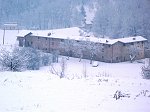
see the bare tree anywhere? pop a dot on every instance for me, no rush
(63, 66)
(68, 44)
(133, 52)
(84, 69)
(93, 49)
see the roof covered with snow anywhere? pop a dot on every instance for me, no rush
(74, 34)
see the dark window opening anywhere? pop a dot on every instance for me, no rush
(52, 43)
(117, 58)
(102, 49)
(132, 43)
(124, 59)
(28, 44)
(62, 40)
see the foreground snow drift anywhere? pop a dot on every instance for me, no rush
(41, 91)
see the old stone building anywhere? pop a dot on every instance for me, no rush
(100, 49)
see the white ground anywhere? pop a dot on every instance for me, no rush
(42, 91)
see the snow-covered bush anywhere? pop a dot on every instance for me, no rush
(46, 59)
(19, 59)
(146, 72)
(32, 58)
(12, 60)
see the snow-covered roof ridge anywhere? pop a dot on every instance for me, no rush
(132, 39)
(74, 33)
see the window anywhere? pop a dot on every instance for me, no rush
(132, 43)
(102, 49)
(124, 44)
(28, 44)
(52, 43)
(38, 37)
(62, 40)
(117, 58)
(102, 57)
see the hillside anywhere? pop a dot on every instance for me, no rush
(111, 18)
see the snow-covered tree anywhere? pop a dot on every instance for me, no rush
(116, 18)
(146, 72)
(33, 58)
(11, 60)
(68, 45)
(133, 52)
(46, 59)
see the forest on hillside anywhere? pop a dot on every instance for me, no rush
(113, 18)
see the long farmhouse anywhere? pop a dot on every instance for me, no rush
(69, 42)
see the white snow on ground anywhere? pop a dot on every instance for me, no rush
(42, 91)
(9, 38)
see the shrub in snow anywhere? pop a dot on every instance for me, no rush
(46, 59)
(119, 94)
(55, 56)
(19, 59)
(12, 60)
(32, 58)
(146, 72)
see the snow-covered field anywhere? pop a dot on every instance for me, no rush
(42, 91)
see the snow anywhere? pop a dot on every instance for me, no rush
(132, 39)
(74, 33)
(10, 37)
(66, 32)
(90, 12)
(84, 88)
(42, 91)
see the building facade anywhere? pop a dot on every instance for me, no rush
(105, 50)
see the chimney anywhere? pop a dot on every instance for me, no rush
(49, 34)
(134, 38)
